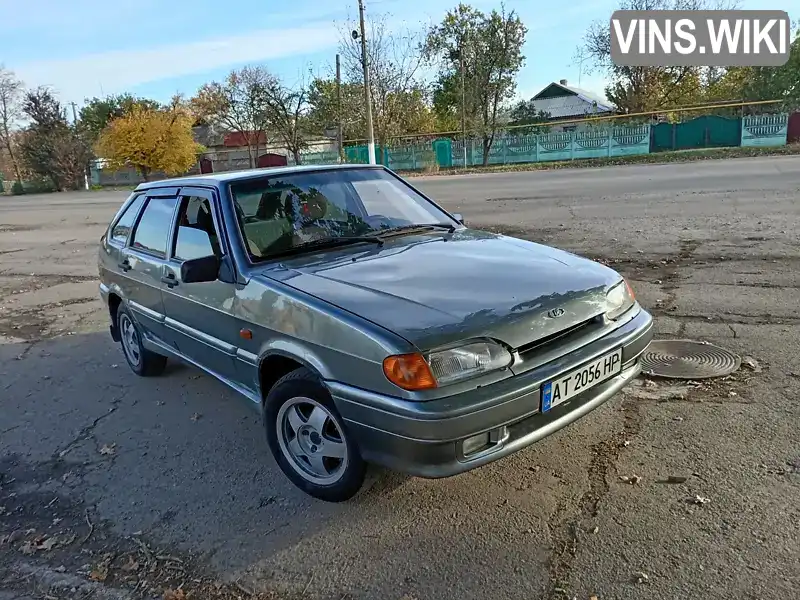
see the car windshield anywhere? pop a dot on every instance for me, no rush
(297, 211)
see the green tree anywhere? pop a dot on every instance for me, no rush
(647, 89)
(324, 110)
(525, 113)
(50, 146)
(776, 83)
(487, 51)
(97, 113)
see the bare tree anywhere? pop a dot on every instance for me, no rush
(238, 104)
(288, 114)
(394, 62)
(11, 90)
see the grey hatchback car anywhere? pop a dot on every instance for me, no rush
(366, 323)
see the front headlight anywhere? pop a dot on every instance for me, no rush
(419, 372)
(467, 361)
(619, 300)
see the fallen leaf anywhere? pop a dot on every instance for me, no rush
(641, 577)
(47, 544)
(751, 363)
(699, 500)
(593, 598)
(28, 548)
(99, 574)
(131, 565)
(108, 450)
(178, 594)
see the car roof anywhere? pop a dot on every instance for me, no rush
(218, 179)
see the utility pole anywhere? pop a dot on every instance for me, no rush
(75, 124)
(367, 95)
(459, 54)
(339, 134)
(463, 101)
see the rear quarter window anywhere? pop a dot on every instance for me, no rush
(122, 228)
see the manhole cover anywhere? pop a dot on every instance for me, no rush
(685, 359)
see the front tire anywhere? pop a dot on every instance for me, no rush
(308, 439)
(143, 362)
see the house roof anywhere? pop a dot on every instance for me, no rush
(561, 100)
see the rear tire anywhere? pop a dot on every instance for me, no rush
(308, 439)
(143, 362)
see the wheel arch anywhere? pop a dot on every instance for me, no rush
(114, 302)
(276, 363)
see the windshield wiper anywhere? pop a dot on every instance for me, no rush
(328, 242)
(416, 226)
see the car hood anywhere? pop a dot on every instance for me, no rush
(442, 288)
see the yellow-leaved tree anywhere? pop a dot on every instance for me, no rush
(150, 140)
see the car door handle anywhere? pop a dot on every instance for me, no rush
(125, 265)
(169, 279)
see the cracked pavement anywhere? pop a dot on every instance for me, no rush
(179, 463)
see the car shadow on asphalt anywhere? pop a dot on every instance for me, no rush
(178, 457)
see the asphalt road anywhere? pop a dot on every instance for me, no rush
(179, 463)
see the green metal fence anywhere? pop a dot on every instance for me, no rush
(595, 142)
(765, 130)
(591, 142)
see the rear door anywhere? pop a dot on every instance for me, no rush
(200, 314)
(143, 260)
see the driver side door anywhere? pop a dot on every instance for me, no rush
(200, 314)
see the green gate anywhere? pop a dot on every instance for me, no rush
(709, 131)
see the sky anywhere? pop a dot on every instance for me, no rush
(156, 48)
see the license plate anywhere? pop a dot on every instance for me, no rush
(581, 379)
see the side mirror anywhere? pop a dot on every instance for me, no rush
(459, 218)
(200, 270)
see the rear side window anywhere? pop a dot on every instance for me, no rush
(123, 226)
(152, 232)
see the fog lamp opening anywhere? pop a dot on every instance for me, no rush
(476, 443)
(484, 442)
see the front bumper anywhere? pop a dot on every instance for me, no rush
(425, 438)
